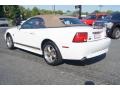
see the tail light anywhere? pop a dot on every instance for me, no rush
(80, 37)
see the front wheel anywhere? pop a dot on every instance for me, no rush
(52, 54)
(9, 42)
(116, 33)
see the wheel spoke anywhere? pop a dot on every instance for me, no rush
(50, 53)
(49, 49)
(9, 41)
(51, 58)
(53, 54)
(117, 33)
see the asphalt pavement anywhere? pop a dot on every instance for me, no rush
(19, 67)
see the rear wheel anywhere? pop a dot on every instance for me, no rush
(52, 54)
(9, 42)
(116, 33)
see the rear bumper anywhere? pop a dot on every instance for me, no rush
(78, 51)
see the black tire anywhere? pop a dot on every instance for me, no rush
(56, 59)
(9, 42)
(116, 33)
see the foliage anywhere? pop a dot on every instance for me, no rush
(13, 11)
(35, 11)
(96, 11)
(1, 11)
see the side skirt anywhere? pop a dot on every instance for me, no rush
(28, 48)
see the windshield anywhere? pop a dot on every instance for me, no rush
(91, 17)
(72, 21)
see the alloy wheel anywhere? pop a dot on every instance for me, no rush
(50, 53)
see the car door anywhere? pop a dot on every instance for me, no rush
(27, 34)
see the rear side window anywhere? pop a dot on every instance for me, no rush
(33, 23)
(71, 21)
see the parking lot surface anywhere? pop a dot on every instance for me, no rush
(21, 67)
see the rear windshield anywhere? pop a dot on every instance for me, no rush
(72, 21)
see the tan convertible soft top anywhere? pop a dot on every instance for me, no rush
(53, 20)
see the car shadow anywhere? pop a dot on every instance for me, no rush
(86, 61)
(74, 62)
(89, 83)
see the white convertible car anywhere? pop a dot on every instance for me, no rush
(57, 38)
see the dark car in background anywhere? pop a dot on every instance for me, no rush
(112, 23)
(4, 22)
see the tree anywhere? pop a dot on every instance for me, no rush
(96, 11)
(109, 11)
(68, 11)
(59, 12)
(2, 11)
(23, 11)
(11, 11)
(75, 13)
(28, 13)
(35, 11)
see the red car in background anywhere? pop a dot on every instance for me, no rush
(90, 19)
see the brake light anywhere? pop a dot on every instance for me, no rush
(80, 37)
